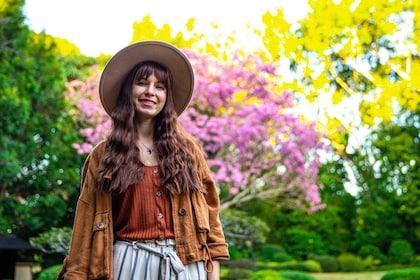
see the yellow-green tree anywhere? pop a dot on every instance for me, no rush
(357, 57)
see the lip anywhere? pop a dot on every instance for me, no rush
(147, 102)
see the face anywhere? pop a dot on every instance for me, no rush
(149, 97)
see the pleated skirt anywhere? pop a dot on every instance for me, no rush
(153, 260)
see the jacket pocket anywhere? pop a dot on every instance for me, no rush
(98, 267)
(201, 211)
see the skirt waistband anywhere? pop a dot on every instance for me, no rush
(171, 261)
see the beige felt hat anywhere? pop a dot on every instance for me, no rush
(118, 67)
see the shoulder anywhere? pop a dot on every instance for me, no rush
(96, 154)
(98, 150)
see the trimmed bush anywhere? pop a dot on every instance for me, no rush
(274, 252)
(400, 251)
(350, 263)
(296, 275)
(50, 273)
(370, 250)
(328, 263)
(306, 266)
(246, 263)
(313, 266)
(267, 275)
(403, 274)
(238, 274)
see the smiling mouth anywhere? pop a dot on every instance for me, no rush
(147, 102)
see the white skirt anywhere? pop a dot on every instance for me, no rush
(153, 260)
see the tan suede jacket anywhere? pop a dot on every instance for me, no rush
(198, 230)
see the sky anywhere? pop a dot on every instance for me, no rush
(105, 26)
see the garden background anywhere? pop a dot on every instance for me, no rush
(312, 136)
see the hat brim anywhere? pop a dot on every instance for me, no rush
(119, 66)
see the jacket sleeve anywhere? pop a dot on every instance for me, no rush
(76, 264)
(216, 242)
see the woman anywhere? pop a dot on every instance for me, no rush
(149, 208)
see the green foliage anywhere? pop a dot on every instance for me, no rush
(39, 169)
(239, 253)
(328, 263)
(50, 273)
(56, 240)
(237, 274)
(244, 263)
(400, 251)
(267, 275)
(403, 274)
(296, 275)
(373, 251)
(243, 230)
(274, 252)
(305, 266)
(350, 263)
(303, 243)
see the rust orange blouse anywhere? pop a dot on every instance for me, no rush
(143, 211)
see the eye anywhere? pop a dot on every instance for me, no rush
(160, 87)
(142, 83)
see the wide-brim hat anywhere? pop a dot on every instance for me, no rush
(119, 66)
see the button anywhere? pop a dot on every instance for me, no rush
(155, 170)
(100, 225)
(160, 216)
(191, 257)
(158, 193)
(182, 212)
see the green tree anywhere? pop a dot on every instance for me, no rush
(39, 169)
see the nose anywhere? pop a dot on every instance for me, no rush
(150, 88)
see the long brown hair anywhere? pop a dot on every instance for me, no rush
(121, 165)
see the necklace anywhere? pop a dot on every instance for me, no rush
(149, 150)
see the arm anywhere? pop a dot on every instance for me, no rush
(218, 248)
(215, 274)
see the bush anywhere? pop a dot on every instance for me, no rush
(50, 273)
(306, 266)
(237, 274)
(370, 250)
(403, 274)
(302, 243)
(246, 263)
(350, 263)
(400, 251)
(274, 252)
(267, 275)
(328, 263)
(296, 275)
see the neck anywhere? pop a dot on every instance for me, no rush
(145, 132)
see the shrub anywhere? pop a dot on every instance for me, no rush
(402, 274)
(370, 250)
(274, 252)
(246, 263)
(400, 251)
(302, 243)
(296, 275)
(306, 266)
(267, 275)
(350, 263)
(328, 263)
(237, 274)
(313, 266)
(50, 273)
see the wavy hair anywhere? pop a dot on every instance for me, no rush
(122, 166)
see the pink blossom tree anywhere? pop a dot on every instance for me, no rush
(258, 145)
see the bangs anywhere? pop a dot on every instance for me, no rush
(148, 68)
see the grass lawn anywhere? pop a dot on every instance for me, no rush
(376, 275)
